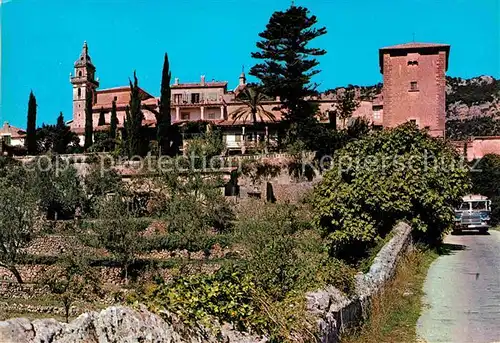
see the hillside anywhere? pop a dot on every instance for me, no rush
(476, 97)
(465, 98)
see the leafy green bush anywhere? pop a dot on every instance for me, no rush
(486, 181)
(225, 296)
(392, 175)
(284, 254)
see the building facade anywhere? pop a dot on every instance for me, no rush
(415, 85)
(413, 90)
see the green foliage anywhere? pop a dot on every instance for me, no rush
(226, 295)
(179, 241)
(98, 183)
(55, 183)
(56, 138)
(136, 141)
(193, 206)
(102, 118)
(30, 141)
(389, 176)
(73, 281)
(88, 119)
(117, 231)
(287, 66)
(253, 108)
(113, 126)
(102, 141)
(163, 118)
(471, 92)
(486, 181)
(203, 148)
(345, 105)
(18, 219)
(264, 293)
(477, 126)
(257, 170)
(284, 254)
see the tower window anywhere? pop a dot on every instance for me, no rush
(413, 63)
(413, 86)
(79, 92)
(80, 73)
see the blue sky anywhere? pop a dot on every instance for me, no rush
(40, 40)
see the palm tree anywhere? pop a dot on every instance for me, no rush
(253, 108)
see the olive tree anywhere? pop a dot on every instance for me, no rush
(18, 225)
(400, 174)
(117, 230)
(73, 280)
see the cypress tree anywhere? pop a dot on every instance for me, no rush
(102, 118)
(133, 127)
(163, 118)
(30, 141)
(113, 125)
(88, 120)
(287, 68)
(62, 136)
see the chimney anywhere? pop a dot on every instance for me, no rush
(176, 81)
(6, 125)
(202, 81)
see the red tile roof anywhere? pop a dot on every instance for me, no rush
(199, 85)
(14, 132)
(415, 45)
(412, 47)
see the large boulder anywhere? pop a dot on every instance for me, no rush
(112, 325)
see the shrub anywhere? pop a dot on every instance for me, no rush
(486, 181)
(225, 296)
(392, 175)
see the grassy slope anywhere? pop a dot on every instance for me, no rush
(396, 310)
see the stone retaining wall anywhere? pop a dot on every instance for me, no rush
(337, 313)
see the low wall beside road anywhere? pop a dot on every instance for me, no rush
(336, 312)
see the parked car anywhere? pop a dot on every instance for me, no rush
(473, 214)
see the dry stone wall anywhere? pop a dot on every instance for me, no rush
(337, 313)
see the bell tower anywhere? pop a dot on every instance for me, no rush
(84, 84)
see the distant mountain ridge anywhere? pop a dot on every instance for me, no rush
(465, 98)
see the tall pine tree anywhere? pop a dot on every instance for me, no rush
(163, 118)
(88, 120)
(113, 125)
(133, 125)
(288, 63)
(30, 141)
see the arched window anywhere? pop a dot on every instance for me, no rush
(79, 92)
(80, 73)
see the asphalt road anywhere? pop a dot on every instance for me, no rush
(463, 292)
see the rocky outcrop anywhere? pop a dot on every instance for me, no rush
(114, 324)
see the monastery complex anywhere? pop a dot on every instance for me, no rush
(413, 90)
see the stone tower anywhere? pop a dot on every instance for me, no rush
(415, 85)
(82, 81)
